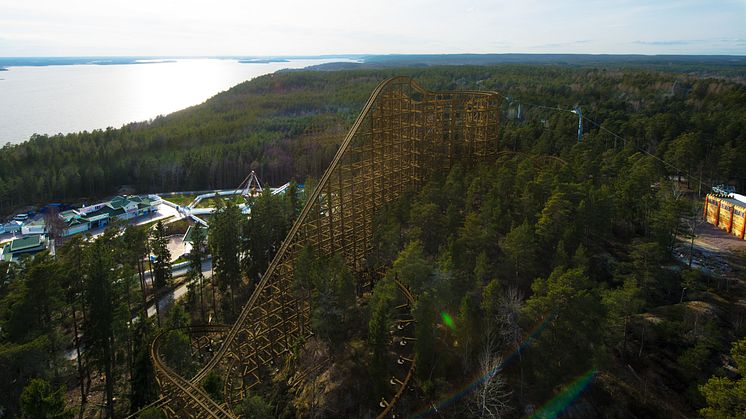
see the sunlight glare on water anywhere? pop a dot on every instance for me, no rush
(71, 98)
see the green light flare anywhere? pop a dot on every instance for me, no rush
(448, 320)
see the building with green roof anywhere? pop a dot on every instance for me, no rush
(26, 245)
(101, 214)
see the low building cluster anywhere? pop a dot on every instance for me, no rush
(97, 216)
(34, 232)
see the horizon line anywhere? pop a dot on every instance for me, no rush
(345, 54)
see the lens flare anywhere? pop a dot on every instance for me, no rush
(457, 395)
(448, 320)
(565, 398)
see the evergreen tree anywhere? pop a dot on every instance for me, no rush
(72, 260)
(254, 407)
(196, 257)
(424, 346)
(99, 293)
(40, 400)
(333, 296)
(143, 386)
(43, 281)
(31, 311)
(412, 268)
(381, 306)
(554, 219)
(427, 225)
(213, 385)
(520, 249)
(621, 304)
(566, 305)
(469, 329)
(135, 243)
(263, 232)
(225, 244)
(726, 397)
(161, 264)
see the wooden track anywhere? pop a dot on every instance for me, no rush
(403, 135)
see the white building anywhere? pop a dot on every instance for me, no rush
(99, 215)
(11, 227)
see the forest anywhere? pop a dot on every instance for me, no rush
(547, 281)
(80, 320)
(287, 125)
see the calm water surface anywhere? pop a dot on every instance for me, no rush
(71, 98)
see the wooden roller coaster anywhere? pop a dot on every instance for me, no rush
(403, 135)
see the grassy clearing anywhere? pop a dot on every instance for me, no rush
(212, 202)
(181, 259)
(182, 200)
(177, 227)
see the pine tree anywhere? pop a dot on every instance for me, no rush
(143, 385)
(381, 304)
(161, 264)
(726, 397)
(39, 400)
(263, 232)
(72, 260)
(196, 257)
(100, 295)
(424, 345)
(225, 245)
(135, 243)
(43, 278)
(520, 248)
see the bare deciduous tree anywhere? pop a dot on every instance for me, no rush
(692, 223)
(491, 396)
(508, 312)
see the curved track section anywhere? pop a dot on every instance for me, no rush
(199, 403)
(403, 135)
(404, 323)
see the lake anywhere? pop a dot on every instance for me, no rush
(70, 98)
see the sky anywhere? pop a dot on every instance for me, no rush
(314, 27)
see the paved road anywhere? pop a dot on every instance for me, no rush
(165, 300)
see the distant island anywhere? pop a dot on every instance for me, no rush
(48, 61)
(263, 61)
(6, 62)
(700, 64)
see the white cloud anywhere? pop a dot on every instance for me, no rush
(281, 27)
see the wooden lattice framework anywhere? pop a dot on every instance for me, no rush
(402, 136)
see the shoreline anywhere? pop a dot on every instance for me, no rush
(231, 72)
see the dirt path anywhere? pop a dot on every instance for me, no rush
(714, 239)
(723, 257)
(715, 252)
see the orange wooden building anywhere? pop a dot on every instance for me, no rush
(726, 214)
